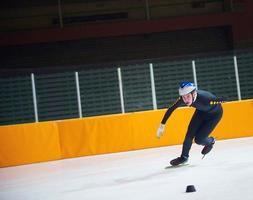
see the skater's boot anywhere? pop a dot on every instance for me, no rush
(178, 161)
(208, 148)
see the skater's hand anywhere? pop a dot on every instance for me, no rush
(160, 131)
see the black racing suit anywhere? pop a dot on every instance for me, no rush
(205, 118)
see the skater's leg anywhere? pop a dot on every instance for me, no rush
(208, 125)
(192, 130)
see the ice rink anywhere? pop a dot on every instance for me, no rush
(225, 174)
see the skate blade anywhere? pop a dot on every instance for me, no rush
(177, 166)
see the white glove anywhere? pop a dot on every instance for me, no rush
(160, 131)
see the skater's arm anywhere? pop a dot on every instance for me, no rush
(160, 130)
(176, 104)
(216, 100)
(208, 99)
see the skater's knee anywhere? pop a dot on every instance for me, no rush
(199, 141)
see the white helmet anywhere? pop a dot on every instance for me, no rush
(186, 88)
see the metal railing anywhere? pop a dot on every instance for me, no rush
(121, 89)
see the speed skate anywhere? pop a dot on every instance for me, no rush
(177, 166)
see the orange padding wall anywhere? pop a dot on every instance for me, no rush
(37, 142)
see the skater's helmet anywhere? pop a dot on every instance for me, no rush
(186, 88)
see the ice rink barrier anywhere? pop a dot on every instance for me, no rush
(53, 140)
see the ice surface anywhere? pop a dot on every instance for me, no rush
(226, 174)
